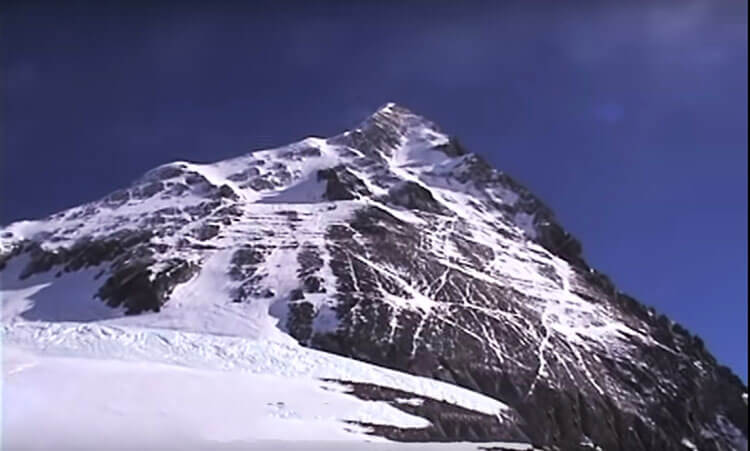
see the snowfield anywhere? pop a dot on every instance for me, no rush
(226, 353)
(86, 403)
(90, 385)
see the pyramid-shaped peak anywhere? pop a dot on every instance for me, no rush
(391, 129)
(392, 109)
(397, 117)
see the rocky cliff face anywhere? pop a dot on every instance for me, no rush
(393, 244)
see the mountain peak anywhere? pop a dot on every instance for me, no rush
(391, 109)
(387, 244)
(391, 129)
(394, 114)
(388, 107)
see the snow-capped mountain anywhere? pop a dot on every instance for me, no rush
(389, 244)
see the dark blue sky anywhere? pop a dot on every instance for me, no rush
(627, 118)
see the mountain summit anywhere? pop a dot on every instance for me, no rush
(393, 245)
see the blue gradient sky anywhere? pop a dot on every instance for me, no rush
(628, 120)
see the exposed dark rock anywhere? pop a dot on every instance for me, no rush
(201, 210)
(84, 253)
(132, 286)
(282, 176)
(558, 415)
(300, 319)
(309, 260)
(168, 211)
(193, 178)
(165, 172)
(312, 284)
(41, 261)
(309, 152)
(13, 251)
(448, 422)
(414, 196)
(229, 211)
(225, 191)
(247, 256)
(206, 231)
(177, 189)
(452, 148)
(244, 175)
(341, 184)
(117, 198)
(475, 169)
(299, 154)
(600, 281)
(146, 191)
(291, 215)
(243, 268)
(559, 242)
(260, 184)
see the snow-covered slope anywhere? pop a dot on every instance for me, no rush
(184, 390)
(168, 405)
(215, 352)
(389, 244)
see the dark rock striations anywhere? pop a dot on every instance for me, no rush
(392, 244)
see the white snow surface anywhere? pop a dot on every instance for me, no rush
(46, 297)
(88, 404)
(179, 388)
(85, 403)
(227, 353)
